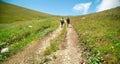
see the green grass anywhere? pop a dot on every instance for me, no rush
(18, 36)
(54, 46)
(11, 13)
(15, 32)
(99, 35)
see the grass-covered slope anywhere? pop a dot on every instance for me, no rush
(99, 35)
(11, 13)
(20, 26)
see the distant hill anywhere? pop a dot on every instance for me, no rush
(11, 13)
(113, 11)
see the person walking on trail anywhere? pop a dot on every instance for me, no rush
(68, 21)
(62, 22)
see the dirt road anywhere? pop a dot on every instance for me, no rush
(69, 52)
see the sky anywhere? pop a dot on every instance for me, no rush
(66, 7)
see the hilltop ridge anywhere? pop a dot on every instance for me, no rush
(11, 13)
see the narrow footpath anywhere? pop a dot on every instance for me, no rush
(70, 50)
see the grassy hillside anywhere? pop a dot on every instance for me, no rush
(20, 26)
(11, 13)
(99, 35)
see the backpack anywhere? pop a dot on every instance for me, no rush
(62, 20)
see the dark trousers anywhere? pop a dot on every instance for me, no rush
(62, 24)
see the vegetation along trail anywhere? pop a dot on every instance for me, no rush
(69, 51)
(29, 55)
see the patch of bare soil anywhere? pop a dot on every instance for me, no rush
(32, 53)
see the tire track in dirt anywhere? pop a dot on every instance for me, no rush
(31, 54)
(71, 52)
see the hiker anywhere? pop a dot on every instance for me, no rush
(62, 22)
(68, 21)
